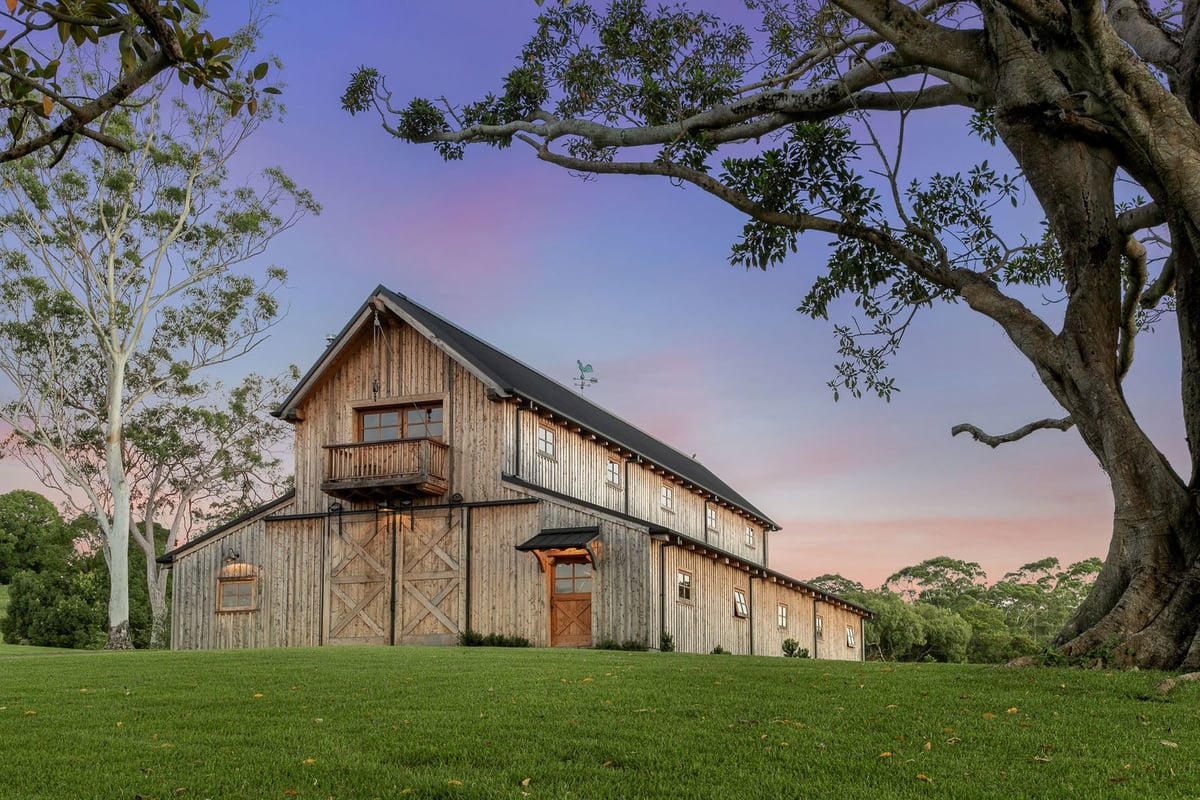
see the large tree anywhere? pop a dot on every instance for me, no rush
(42, 108)
(33, 536)
(121, 286)
(1096, 102)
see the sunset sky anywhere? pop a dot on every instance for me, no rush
(631, 275)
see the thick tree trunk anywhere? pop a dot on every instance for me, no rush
(117, 546)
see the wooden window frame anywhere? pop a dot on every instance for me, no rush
(849, 636)
(666, 498)
(741, 609)
(401, 407)
(710, 518)
(683, 586)
(612, 473)
(781, 615)
(251, 580)
(749, 536)
(545, 442)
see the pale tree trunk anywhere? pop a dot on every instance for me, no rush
(156, 586)
(116, 548)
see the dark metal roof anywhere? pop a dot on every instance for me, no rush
(509, 377)
(560, 539)
(170, 556)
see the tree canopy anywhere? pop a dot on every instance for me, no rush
(152, 38)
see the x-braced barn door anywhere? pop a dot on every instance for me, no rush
(359, 596)
(431, 599)
(571, 602)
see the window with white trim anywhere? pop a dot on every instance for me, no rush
(782, 612)
(614, 473)
(545, 441)
(683, 582)
(666, 498)
(710, 518)
(739, 604)
(849, 636)
(749, 536)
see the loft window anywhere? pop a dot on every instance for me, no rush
(782, 615)
(749, 536)
(684, 584)
(739, 604)
(545, 441)
(401, 422)
(666, 498)
(710, 518)
(614, 473)
(849, 636)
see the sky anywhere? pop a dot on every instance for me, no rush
(631, 274)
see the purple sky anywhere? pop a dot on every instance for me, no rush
(631, 275)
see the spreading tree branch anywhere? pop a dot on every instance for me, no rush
(1020, 433)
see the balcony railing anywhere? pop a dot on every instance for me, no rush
(377, 470)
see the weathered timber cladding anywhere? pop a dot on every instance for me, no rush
(507, 588)
(410, 554)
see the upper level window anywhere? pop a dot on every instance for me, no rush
(739, 604)
(710, 518)
(614, 473)
(404, 422)
(749, 536)
(849, 636)
(684, 584)
(666, 498)
(545, 441)
(782, 615)
(819, 626)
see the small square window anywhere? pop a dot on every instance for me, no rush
(545, 441)
(749, 536)
(782, 615)
(819, 626)
(235, 594)
(666, 498)
(614, 473)
(684, 584)
(739, 604)
(849, 636)
(710, 518)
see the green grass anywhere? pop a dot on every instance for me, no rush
(481, 722)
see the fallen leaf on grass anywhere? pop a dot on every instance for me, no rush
(309, 761)
(928, 746)
(30, 712)
(257, 695)
(525, 782)
(1119, 779)
(454, 783)
(988, 715)
(1041, 759)
(885, 754)
(1165, 743)
(921, 776)
(291, 792)
(1012, 710)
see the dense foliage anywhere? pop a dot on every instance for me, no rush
(32, 534)
(944, 609)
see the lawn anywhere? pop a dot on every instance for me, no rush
(483, 723)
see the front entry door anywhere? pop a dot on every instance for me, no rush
(571, 603)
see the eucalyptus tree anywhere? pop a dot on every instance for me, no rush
(120, 284)
(1095, 101)
(149, 39)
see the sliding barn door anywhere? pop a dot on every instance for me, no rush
(359, 596)
(431, 594)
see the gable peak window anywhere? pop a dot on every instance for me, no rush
(409, 421)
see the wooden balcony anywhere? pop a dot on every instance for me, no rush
(375, 471)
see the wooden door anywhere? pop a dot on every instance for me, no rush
(431, 597)
(359, 595)
(571, 603)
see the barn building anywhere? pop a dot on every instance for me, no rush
(442, 485)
